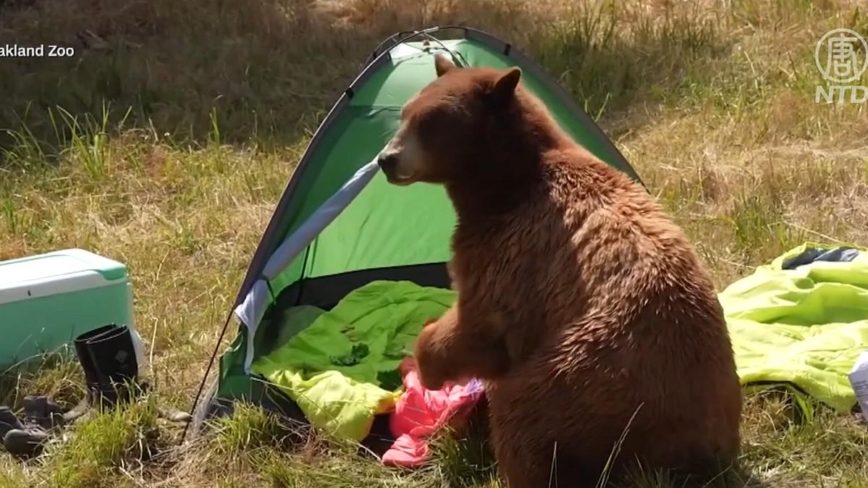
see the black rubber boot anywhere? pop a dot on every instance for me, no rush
(113, 357)
(91, 374)
(108, 357)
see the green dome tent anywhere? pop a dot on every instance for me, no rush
(339, 225)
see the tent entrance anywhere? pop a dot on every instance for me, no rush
(325, 292)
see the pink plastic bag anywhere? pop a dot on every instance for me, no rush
(420, 413)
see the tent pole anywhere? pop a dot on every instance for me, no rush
(205, 376)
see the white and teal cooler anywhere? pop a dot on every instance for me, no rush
(49, 299)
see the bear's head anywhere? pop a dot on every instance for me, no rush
(447, 127)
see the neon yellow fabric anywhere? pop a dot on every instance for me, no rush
(332, 401)
(803, 326)
(342, 370)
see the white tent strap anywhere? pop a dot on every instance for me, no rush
(253, 308)
(319, 220)
(251, 311)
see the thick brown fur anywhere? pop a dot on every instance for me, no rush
(582, 305)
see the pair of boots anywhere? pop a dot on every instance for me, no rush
(26, 437)
(110, 361)
(108, 358)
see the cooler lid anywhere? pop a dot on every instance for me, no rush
(57, 272)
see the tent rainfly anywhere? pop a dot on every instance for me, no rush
(339, 225)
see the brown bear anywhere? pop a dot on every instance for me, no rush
(581, 305)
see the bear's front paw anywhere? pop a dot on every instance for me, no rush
(428, 364)
(429, 382)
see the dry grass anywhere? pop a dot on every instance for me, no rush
(166, 140)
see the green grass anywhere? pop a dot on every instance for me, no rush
(166, 141)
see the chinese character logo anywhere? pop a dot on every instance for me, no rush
(845, 58)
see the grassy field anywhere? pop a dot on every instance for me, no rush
(166, 140)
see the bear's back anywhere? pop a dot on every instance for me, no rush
(585, 240)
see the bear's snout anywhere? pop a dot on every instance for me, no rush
(388, 162)
(395, 165)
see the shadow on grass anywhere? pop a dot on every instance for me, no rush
(466, 459)
(269, 70)
(200, 71)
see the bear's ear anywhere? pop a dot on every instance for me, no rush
(443, 64)
(504, 88)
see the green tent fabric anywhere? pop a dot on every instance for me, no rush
(361, 130)
(802, 326)
(342, 369)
